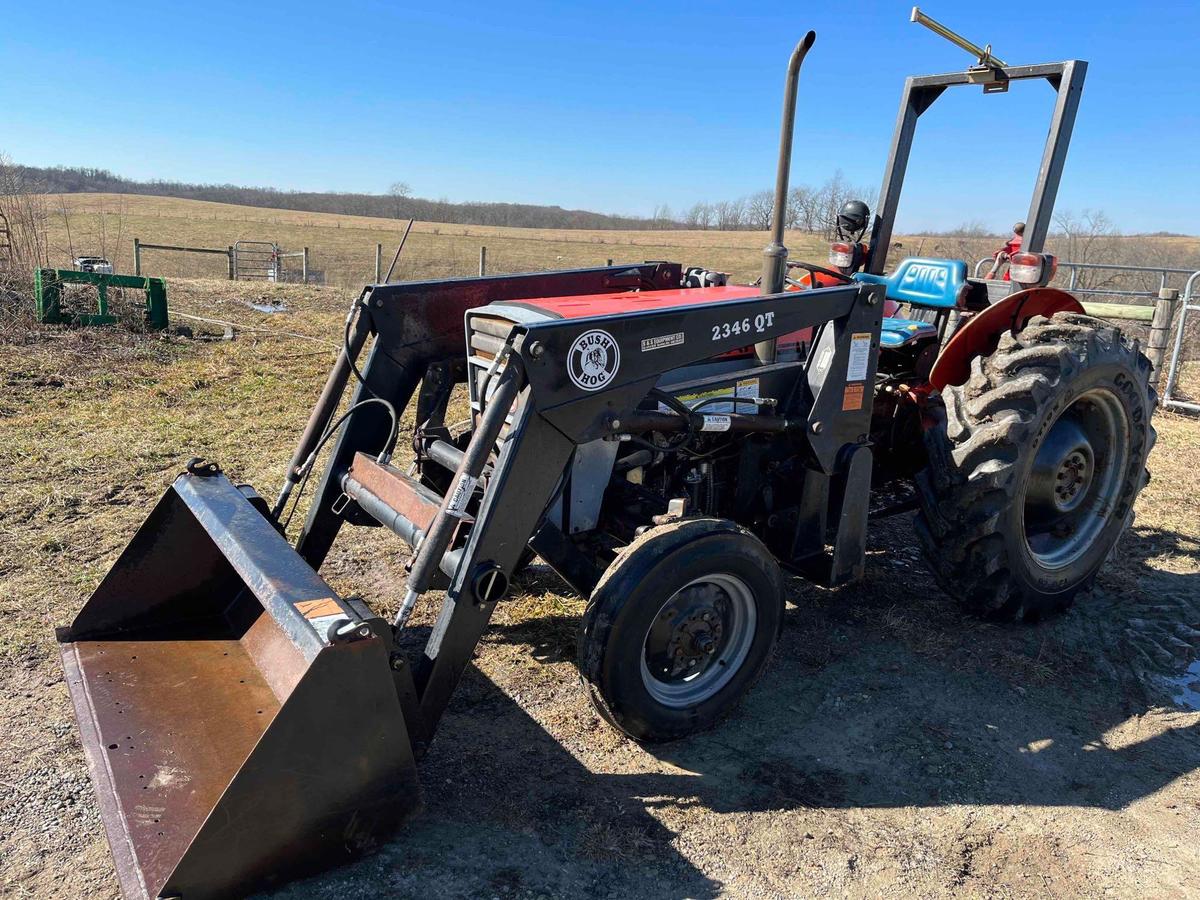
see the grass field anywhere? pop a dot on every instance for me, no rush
(343, 247)
(894, 748)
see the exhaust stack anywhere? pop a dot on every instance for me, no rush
(775, 254)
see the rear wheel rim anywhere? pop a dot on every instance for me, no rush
(1071, 492)
(698, 640)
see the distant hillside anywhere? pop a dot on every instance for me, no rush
(73, 180)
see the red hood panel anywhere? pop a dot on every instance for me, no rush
(636, 301)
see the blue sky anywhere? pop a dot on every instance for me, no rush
(614, 106)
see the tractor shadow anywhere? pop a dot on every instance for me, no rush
(881, 695)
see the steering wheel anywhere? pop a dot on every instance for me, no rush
(813, 270)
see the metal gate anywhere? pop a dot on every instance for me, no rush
(256, 259)
(1190, 304)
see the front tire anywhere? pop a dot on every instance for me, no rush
(680, 627)
(1034, 466)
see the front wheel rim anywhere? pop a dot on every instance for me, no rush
(1071, 493)
(699, 640)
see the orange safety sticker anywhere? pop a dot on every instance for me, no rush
(852, 398)
(316, 609)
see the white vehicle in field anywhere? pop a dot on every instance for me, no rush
(96, 264)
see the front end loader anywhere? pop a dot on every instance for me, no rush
(667, 442)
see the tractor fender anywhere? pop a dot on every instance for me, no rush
(981, 333)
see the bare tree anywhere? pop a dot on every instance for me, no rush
(830, 199)
(794, 213)
(700, 215)
(24, 206)
(759, 207)
(804, 203)
(1091, 237)
(399, 191)
(730, 214)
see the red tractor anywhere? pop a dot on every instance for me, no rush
(667, 442)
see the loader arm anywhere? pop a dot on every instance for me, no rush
(552, 416)
(418, 325)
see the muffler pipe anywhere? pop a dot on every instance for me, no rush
(775, 255)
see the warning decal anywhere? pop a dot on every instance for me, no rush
(852, 398)
(316, 609)
(461, 496)
(860, 357)
(716, 423)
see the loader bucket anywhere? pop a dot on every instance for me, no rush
(231, 741)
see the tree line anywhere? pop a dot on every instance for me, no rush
(812, 209)
(808, 208)
(397, 203)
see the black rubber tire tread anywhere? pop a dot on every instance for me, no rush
(981, 443)
(649, 559)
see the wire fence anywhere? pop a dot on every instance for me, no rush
(1165, 297)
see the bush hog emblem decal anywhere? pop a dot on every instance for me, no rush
(593, 360)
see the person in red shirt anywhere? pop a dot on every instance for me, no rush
(1004, 254)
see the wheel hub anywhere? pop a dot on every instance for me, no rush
(695, 638)
(698, 640)
(1070, 493)
(1062, 471)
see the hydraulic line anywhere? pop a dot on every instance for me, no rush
(429, 555)
(316, 430)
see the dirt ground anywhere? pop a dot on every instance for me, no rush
(894, 747)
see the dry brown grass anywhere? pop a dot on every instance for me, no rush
(344, 246)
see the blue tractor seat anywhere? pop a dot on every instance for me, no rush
(898, 332)
(933, 283)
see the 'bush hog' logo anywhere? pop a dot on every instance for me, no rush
(593, 360)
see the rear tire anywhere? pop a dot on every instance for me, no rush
(679, 628)
(1034, 466)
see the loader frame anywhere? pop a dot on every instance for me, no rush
(419, 351)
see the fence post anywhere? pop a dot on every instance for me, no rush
(137, 257)
(609, 263)
(304, 266)
(482, 261)
(232, 259)
(1160, 327)
(378, 263)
